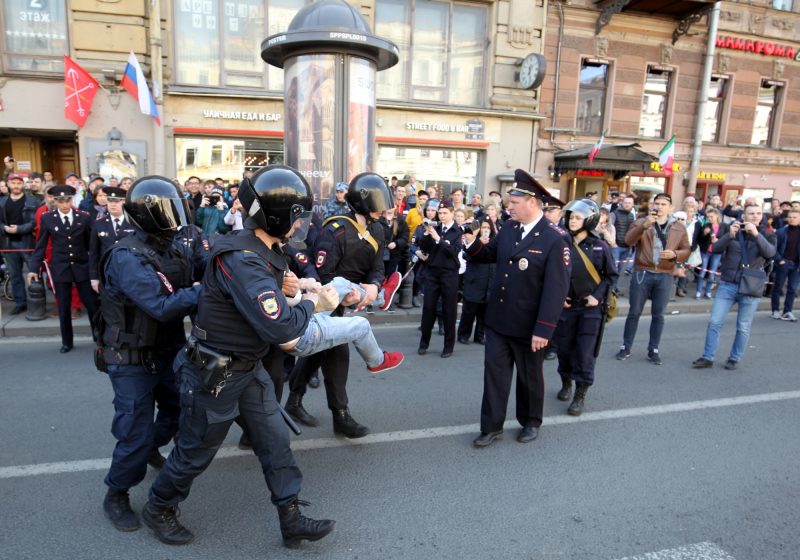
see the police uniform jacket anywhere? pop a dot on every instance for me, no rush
(443, 255)
(342, 251)
(531, 279)
(70, 262)
(599, 253)
(299, 262)
(103, 236)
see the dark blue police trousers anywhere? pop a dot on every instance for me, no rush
(136, 392)
(204, 423)
(576, 336)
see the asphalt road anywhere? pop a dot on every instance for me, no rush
(664, 458)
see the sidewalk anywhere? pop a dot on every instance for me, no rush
(19, 326)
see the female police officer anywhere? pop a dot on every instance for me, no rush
(241, 312)
(593, 273)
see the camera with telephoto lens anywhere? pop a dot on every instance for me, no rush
(472, 226)
(213, 199)
(431, 223)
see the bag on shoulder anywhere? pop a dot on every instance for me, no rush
(751, 280)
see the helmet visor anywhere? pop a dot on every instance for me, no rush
(300, 227)
(582, 208)
(169, 214)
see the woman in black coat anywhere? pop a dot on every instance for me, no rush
(396, 234)
(477, 279)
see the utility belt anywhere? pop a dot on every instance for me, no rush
(105, 356)
(214, 368)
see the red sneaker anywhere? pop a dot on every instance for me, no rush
(390, 287)
(390, 361)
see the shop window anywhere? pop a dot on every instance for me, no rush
(442, 51)
(191, 157)
(715, 104)
(460, 170)
(785, 5)
(209, 158)
(592, 97)
(766, 109)
(216, 154)
(218, 42)
(34, 37)
(655, 102)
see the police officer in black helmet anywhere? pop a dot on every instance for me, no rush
(592, 275)
(241, 313)
(350, 246)
(146, 291)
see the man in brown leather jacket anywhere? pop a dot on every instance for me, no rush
(661, 242)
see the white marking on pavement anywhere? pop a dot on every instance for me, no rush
(699, 551)
(425, 433)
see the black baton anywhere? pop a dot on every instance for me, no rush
(289, 422)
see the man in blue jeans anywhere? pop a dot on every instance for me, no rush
(758, 246)
(17, 219)
(787, 267)
(660, 243)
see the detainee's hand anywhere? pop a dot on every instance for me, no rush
(538, 343)
(370, 296)
(328, 299)
(309, 285)
(313, 298)
(291, 284)
(352, 298)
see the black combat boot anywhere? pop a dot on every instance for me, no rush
(566, 390)
(294, 408)
(164, 523)
(117, 507)
(345, 425)
(295, 527)
(576, 407)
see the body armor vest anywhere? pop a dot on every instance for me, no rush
(220, 325)
(127, 327)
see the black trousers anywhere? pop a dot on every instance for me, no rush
(472, 312)
(335, 363)
(576, 336)
(445, 286)
(64, 297)
(503, 353)
(204, 423)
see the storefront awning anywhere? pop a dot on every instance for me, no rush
(611, 157)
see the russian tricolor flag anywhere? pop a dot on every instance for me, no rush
(133, 81)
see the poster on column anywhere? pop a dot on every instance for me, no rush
(361, 118)
(310, 107)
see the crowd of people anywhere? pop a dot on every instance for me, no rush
(266, 281)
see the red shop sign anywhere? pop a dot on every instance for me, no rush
(590, 173)
(758, 47)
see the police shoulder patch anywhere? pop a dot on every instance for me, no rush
(558, 228)
(321, 258)
(301, 258)
(165, 281)
(566, 256)
(269, 304)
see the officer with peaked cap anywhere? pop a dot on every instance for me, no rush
(108, 230)
(530, 285)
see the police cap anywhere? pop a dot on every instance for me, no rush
(525, 185)
(115, 194)
(61, 190)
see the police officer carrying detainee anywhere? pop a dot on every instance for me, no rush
(146, 291)
(530, 285)
(593, 273)
(241, 313)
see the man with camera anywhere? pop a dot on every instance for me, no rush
(241, 312)
(745, 250)
(660, 242)
(211, 214)
(442, 243)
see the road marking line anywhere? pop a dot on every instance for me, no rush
(699, 551)
(425, 433)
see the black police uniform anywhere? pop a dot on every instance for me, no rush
(579, 325)
(340, 250)
(241, 312)
(441, 280)
(106, 232)
(527, 295)
(69, 264)
(145, 295)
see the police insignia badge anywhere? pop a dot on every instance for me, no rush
(268, 302)
(165, 281)
(321, 256)
(523, 264)
(566, 256)
(302, 258)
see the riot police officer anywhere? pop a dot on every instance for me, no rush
(240, 314)
(146, 291)
(350, 246)
(579, 327)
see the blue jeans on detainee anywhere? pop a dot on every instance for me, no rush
(325, 332)
(728, 294)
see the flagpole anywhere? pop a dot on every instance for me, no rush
(156, 78)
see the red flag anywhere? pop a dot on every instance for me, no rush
(79, 91)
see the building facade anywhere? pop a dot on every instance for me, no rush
(634, 70)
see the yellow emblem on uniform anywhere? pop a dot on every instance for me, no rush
(523, 264)
(270, 305)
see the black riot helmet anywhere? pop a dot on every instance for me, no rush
(368, 193)
(275, 197)
(586, 209)
(157, 206)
